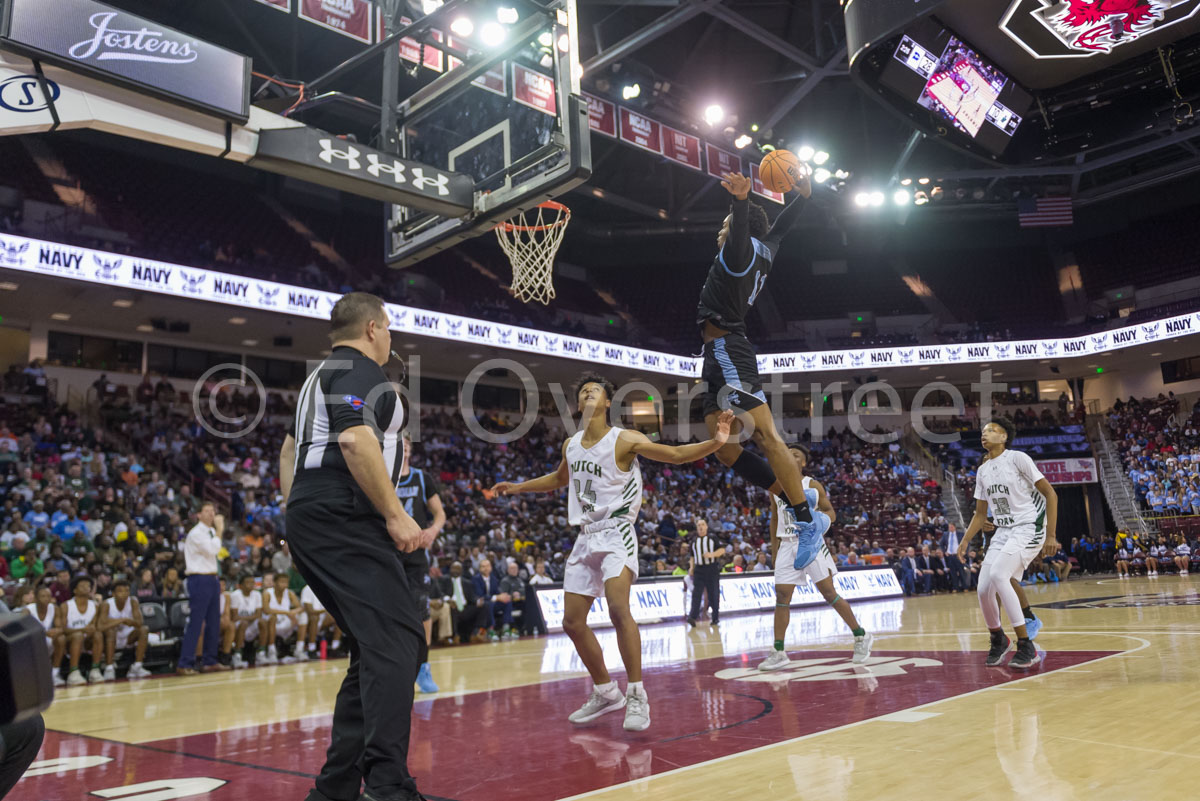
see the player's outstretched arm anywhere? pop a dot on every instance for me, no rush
(791, 213)
(976, 526)
(823, 503)
(639, 444)
(737, 252)
(547, 483)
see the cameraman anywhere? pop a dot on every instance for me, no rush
(19, 742)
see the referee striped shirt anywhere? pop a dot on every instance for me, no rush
(701, 546)
(348, 389)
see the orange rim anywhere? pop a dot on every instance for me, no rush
(548, 204)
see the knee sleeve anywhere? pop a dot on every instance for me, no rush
(755, 469)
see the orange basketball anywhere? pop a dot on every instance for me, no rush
(779, 171)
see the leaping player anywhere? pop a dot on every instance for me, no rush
(820, 571)
(1025, 510)
(737, 275)
(600, 469)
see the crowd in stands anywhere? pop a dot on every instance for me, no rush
(1160, 455)
(93, 512)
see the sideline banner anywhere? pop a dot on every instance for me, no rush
(740, 592)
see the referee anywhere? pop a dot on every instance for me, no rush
(346, 530)
(706, 572)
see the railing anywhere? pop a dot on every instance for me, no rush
(915, 448)
(1120, 498)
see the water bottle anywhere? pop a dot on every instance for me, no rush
(324, 649)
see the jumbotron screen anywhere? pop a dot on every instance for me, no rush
(940, 72)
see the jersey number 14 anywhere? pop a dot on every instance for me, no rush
(586, 496)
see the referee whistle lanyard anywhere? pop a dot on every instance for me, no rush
(403, 367)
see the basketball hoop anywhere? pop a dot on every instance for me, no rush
(530, 240)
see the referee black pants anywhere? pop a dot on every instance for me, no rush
(706, 578)
(342, 549)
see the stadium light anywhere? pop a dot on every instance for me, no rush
(877, 198)
(492, 34)
(430, 6)
(742, 141)
(923, 181)
(507, 16)
(901, 197)
(862, 200)
(545, 38)
(714, 114)
(462, 26)
(630, 91)
(564, 43)
(821, 175)
(920, 198)
(820, 157)
(546, 60)
(805, 153)
(906, 182)
(754, 127)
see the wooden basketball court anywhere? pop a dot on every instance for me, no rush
(1111, 714)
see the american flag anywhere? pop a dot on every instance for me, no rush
(1045, 212)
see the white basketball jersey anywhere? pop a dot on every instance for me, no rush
(47, 620)
(276, 605)
(308, 597)
(598, 489)
(224, 601)
(786, 530)
(1007, 484)
(77, 619)
(246, 605)
(114, 613)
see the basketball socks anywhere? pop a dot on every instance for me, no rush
(607, 689)
(635, 687)
(779, 645)
(859, 632)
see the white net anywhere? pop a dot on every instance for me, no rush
(531, 240)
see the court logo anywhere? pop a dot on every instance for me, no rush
(831, 669)
(23, 94)
(107, 269)
(12, 255)
(1085, 28)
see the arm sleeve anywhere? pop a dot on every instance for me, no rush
(350, 392)
(738, 252)
(784, 222)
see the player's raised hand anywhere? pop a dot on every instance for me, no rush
(724, 422)
(503, 488)
(738, 185)
(801, 179)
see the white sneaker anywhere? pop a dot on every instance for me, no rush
(336, 644)
(271, 658)
(637, 711)
(288, 660)
(238, 661)
(95, 676)
(862, 648)
(137, 671)
(75, 678)
(110, 673)
(776, 661)
(598, 704)
(301, 656)
(57, 678)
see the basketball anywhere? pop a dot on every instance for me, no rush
(780, 170)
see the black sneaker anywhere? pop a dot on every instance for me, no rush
(996, 652)
(691, 622)
(1026, 656)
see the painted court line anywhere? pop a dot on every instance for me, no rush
(907, 716)
(631, 785)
